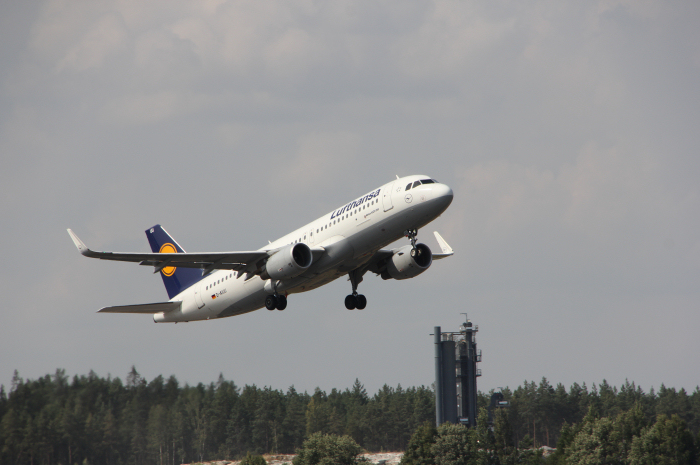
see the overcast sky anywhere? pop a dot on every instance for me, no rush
(569, 132)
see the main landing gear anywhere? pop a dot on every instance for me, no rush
(355, 300)
(276, 301)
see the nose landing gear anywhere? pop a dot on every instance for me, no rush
(412, 235)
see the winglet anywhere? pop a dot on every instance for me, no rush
(446, 249)
(78, 243)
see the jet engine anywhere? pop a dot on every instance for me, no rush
(408, 262)
(288, 262)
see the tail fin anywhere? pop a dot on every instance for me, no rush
(175, 279)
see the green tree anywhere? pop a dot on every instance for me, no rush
(503, 445)
(317, 413)
(603, 440)
(593, 444)
(329, 449)
(420, 446)
(253, 460)
(357, 401)
(267, 432)
(454, 445)
(668, 441)
(158, 436)
(294, 422)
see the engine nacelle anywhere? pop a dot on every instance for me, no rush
(288, 262)
(407, 263)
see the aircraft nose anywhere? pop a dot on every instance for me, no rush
(444, 193)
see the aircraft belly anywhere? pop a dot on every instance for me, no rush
(246, 297)
(317, 281)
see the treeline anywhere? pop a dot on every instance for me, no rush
(626, 439)
(539, 411)
(94, 420)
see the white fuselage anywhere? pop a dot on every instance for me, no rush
(349, 235)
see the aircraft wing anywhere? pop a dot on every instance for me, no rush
(207, 261)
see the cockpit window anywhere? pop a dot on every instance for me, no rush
(427, 181)
(416, 184)
(409, 186)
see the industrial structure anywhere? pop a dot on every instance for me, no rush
(456, 357)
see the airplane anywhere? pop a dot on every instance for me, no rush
(347, 241)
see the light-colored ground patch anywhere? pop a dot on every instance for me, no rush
(387, 458)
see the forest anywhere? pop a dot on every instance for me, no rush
(94, 420)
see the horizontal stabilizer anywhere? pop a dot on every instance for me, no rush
(446, 249)
(143, 308)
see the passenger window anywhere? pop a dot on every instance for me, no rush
(409, 186)
(416, 184)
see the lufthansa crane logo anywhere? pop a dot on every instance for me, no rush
(168, 248)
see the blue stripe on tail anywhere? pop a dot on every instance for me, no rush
(175, 279)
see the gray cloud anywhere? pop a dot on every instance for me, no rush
(568, 132)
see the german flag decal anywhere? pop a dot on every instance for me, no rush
(213, 296)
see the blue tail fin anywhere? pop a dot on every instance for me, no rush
(175, 279)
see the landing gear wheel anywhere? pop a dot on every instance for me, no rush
(281, 302)
(350, 302)
(270, 302)
(361, 302)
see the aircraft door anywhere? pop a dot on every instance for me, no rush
(386, 196)
(311, 236)
(198, 295)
